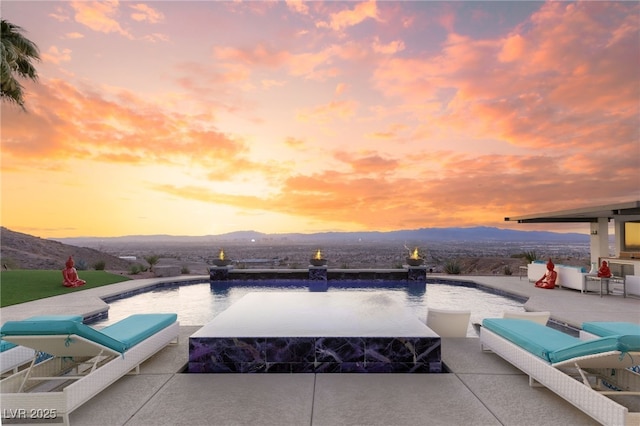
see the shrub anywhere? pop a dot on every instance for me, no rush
(507, 270)
(152, 260)
(452, 267)
(135, 269)
(8, 264)
(185, 270)
(531, 256)
(100, 265)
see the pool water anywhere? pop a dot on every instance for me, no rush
(198, 304)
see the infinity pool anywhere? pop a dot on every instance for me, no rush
(198, 304)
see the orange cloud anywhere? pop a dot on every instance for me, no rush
(371, 164)
(474, 189)
(350, 17)
(56, 56)
(389, 48)
(73, 36)
(260, 55)
(513, 48)
(121, 129)
(549, 84)
(143, 12)
(99, 16)
(298, 6)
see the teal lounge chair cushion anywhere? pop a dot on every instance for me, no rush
(535, 338)
(606, 328)
(623, 344)
(59, 327)
(553, 345)
(5, 346)
(136, 328)
(119, 337)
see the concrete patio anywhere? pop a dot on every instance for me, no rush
(481, 389)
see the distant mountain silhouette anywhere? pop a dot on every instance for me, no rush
(475, 234)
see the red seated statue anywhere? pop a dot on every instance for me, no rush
(604, 270)
(70, 275)
(548, 280)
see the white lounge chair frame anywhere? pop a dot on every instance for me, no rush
(14, 358)
(581, 395)
(106, 366)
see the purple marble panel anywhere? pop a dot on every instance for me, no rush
(402, 349)
(290, 349)
(340, 349)
(234, 350)
(315, 354)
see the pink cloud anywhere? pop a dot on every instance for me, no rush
(99, 16)
(350, 17)
(260, 55)
(143, 12)
(56, 56)
(550, 83)
(123, 128)
(298, 6)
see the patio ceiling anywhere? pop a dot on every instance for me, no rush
(586, 214)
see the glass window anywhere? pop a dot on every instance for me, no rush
(632, 235)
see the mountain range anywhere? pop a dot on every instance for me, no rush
(474, 234)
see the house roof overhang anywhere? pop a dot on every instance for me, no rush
(586, 214)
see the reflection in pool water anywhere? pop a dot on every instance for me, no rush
(197, 304)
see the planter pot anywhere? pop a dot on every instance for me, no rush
(318, 262)
(414, 262)
(221, 262)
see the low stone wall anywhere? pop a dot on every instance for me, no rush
(167, 271)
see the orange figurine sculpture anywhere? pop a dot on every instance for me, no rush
(548, 280)
(70, 275)
(604, 270)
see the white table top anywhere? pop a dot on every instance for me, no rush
(311, 314)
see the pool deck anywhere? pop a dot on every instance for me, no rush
(482, 389)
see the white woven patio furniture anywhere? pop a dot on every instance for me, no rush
(448, 323)
(564, 364)
(12, 357)
(85, 361)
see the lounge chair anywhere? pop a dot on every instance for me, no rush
(85, 360)
(551, 358)
(448, 323)
(539, 317)
(13, 357)
(595, 329)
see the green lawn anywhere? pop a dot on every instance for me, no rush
(26, 285)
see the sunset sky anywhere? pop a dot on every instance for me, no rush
(195, 118)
